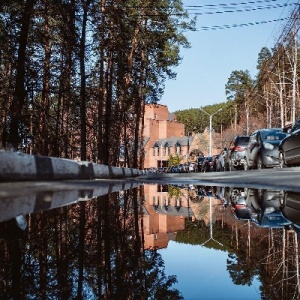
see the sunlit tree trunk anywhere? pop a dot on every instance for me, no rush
(83, 99)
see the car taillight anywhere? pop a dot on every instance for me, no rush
(238, 148)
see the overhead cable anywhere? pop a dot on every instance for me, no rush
(229, 4)
(217, 27)
(243, 9)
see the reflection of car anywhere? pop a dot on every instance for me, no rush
(239, 207)
(289, 147)
(262, 199)
(291, 207)
(273, 219)
(265, 208)
(235, 156)
(241, 212)
(262, 151)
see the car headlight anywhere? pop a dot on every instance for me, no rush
(269, 210)
(268, 146)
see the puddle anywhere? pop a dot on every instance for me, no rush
(120, 240)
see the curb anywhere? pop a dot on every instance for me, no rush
(16, 166)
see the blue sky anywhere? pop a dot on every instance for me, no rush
(207, 65)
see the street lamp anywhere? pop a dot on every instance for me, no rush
(210, 125)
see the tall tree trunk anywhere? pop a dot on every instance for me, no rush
(85, 6)
(81, 250)
(44, 130)
(19, 92)
(101, 85)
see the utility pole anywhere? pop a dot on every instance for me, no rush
(210, 128)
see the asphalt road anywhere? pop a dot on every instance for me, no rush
(287, 179)
(26, 197)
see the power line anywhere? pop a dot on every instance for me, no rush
(243, 9)
(230, 4)
(218, 27)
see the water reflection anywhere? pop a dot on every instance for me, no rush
(107, 246)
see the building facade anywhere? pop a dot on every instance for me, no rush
(164, 136)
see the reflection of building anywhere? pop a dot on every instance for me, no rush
(163, 216)
(164, 136)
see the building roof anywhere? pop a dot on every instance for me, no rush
(173, 211)
(172, 141)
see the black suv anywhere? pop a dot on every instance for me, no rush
(200, 161)
(235, 156)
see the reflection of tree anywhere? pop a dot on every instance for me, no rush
(160, 287)
(270, 254)
(240, 270)
(198, 233)
(91, 250)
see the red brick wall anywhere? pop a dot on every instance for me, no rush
(158, 112)
(157, 126)
(175, 129)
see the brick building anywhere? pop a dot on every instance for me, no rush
(163, 216)
(164, 136)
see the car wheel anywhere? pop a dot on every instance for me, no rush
(246, 166)
(231, 167)
(281, 160)
(259, 163)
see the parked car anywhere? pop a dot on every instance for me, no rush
(175, 169)
(192, 167)
(262, 151)
(208, 164)
(181, 168)
(220, 161)
(235, 156)
(160, 170)
(289, 147)
(200, 161)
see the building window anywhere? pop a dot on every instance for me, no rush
(166, 149)
(178, 149)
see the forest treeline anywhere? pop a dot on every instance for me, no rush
(76, 75)
(270, 99)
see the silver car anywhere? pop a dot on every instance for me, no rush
(262, 150)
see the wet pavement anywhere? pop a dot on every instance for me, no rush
(230, 235)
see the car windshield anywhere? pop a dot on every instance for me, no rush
(274, 136)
